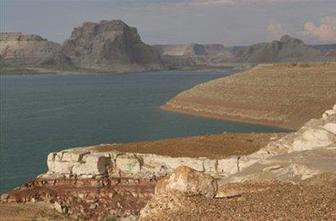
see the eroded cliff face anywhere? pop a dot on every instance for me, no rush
(184, 55)
(32, 50)
(110, 46)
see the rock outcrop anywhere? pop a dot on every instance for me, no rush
(183, 182)
(110, 46)
(31, 50)
(187, 181)
(88, 162)
(288, 49)
(298, 156)
(192, 49)
(316, 135)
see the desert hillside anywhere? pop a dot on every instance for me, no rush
(283, 95)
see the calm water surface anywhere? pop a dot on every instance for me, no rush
(44, 113)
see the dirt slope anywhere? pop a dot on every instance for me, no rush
(279, 95)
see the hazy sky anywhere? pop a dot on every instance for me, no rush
(231, 22)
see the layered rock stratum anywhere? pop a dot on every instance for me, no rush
(113, 46)
(31, 50)
(110, 46)
(282, 95)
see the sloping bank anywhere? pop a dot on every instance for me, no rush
(281, 95)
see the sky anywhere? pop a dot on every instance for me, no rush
(229, 22)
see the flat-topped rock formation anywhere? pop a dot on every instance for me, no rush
(192, 49)
(110, 46)
(279, 95)
(22, 49)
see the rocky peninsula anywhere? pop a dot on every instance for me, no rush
(99, 181)
(283, 95)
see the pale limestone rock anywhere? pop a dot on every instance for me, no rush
(289, 167)
(161, 165)
(209, 166)
(313, 138)
(91, 165)
(51, 165)
(227, 166)
(73, 156)
(328, 113)
(51, 156)
(58, 207)
(62, 167)
(128, 163)
(331, 127)
(187, 181)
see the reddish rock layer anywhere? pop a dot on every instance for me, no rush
(90, 199)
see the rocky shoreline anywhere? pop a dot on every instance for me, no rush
(89, 184)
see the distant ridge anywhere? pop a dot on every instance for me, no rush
(113, 46)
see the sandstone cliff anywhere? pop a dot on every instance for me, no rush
(110, 46)
(31, 50)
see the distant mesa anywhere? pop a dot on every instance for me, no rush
(288, 49)
(110, 46)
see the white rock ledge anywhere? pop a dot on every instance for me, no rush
(86, 162)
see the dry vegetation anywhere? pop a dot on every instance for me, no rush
(211, 146)
(281, 95)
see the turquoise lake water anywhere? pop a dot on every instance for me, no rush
(45, 113)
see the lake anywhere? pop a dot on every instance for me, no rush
(45, 113)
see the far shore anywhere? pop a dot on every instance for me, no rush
(24, 70)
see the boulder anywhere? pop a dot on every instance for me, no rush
(187, 181)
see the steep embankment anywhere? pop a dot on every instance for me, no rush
(279, 95)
